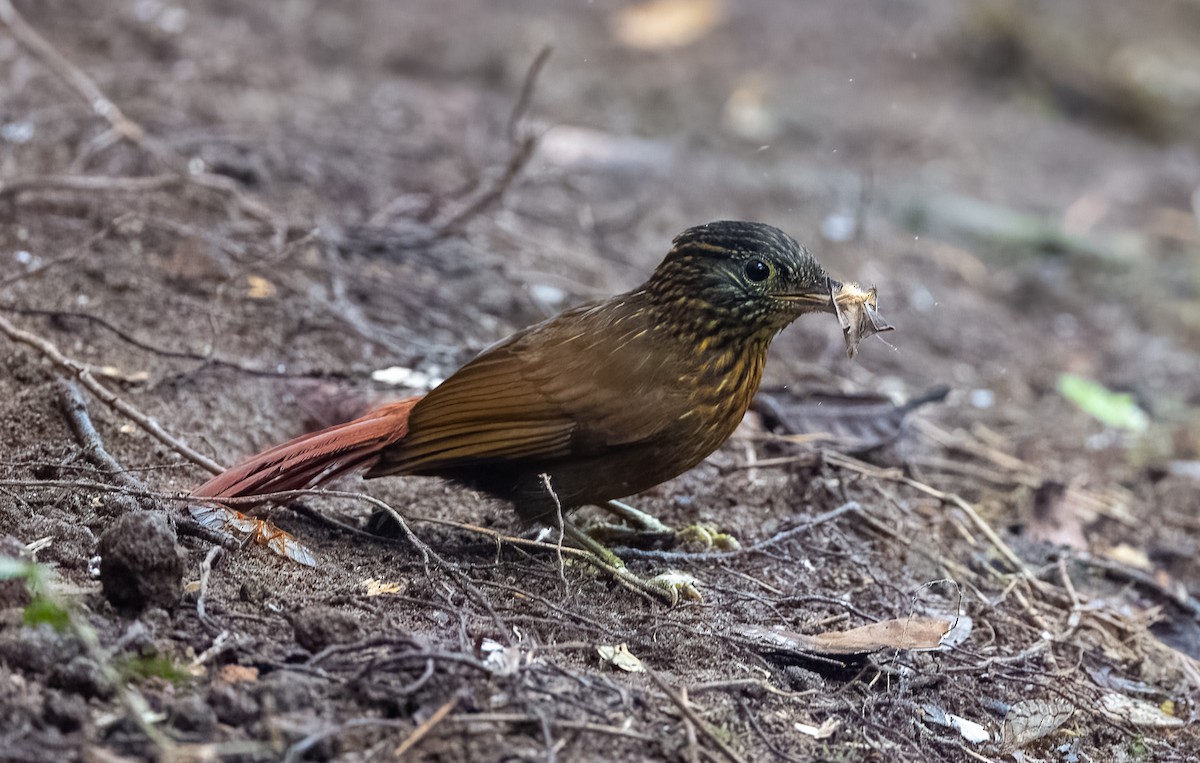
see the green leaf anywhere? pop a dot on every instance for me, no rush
(44, 610)
(155, 666)
(1115, 409)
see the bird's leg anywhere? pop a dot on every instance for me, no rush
(666, 587)
(702, 535)
(639, 519)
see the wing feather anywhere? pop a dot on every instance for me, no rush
(576, 385)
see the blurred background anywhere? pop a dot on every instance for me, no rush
(396, 185)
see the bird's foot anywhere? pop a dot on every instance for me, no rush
(677, 585)
(642, 529)
(666, 588)
(704, 536)
(635, 518)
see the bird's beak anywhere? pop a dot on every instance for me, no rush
(819, 298)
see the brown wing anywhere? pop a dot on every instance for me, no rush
(582, 383)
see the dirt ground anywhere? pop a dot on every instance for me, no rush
(293, 195)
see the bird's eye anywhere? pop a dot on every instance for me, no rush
(757, 270)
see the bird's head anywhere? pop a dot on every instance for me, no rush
(750, 277)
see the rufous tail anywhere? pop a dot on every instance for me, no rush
(316, 458)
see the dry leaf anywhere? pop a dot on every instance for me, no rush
(747, 113)
(1123, 553)
(665, 24)
(619, 656)
(824, 731)
(1137, 712)
(377, 587)
(1032, 719)
(259, 288)
(233, 674)
(500, 659)
(856, 310)
(908, 633)
(973, 732)
(846, 423)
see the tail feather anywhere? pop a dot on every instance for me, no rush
(315, 458)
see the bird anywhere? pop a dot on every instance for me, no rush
(598, 403)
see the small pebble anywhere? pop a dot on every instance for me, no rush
(141, 563)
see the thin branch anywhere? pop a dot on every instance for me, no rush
(421, 731)
(76, 410)
(562, 524)
(72, 75)
(680, 701)
(520, 151)
(80, 371)
(89, 183)
(130, 339)
(761, 546)
(206, 567)
(72, 255)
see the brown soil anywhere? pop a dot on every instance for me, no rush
(335, 226)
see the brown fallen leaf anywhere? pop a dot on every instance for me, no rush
(378, 587)
(236, 674)
(258, 287)
(846, 423)
(857, 312)
(918, 633)
(1030, 720)
(665, 24)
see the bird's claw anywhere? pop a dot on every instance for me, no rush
(704, 536)
(677, 585)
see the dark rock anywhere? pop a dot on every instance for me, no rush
(285, 691)
(233, 705)
(13, 592)
(319, 627)
(81, 675)
(35, 650)
(67, 712)
(253, 591)
(193, 715)
(140, 561)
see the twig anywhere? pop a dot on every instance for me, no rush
(205, 573)
(127, 129)
(72, 255)
(88, 183)
(559, 723)
(125, 336)
(846, 462)
(76, 411)
(81, 372)
(758, 729)
(296, 751)
(520, 150)
(689, 731)
(1144, 581)
(680, 701)
(421, 731)
(761, 546)
(562, 523)
(426, 552)
(83, 85)
(620, 575)
(526, 95)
